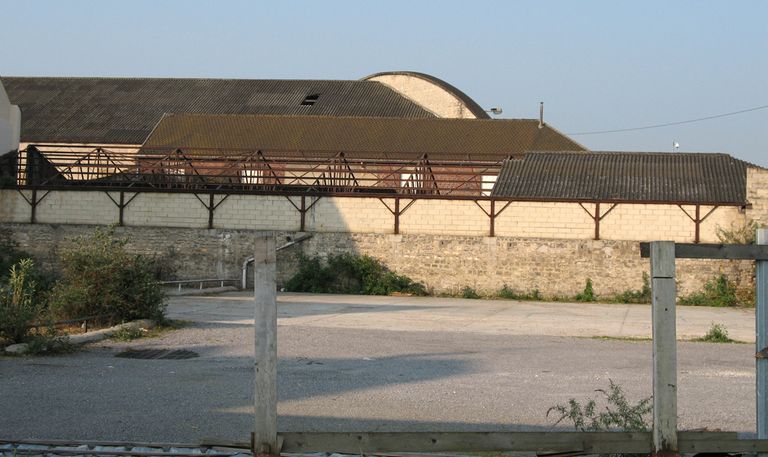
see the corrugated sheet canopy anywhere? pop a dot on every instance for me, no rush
(450, 139)
(625, 177)
(124, 110)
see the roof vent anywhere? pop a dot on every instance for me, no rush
(310, 100)
(541, 114)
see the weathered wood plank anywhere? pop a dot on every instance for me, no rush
(761, 339)
(663, 298)
(595, 442)
(713, 251)
(265, 362)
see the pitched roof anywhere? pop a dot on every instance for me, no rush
(124, 110)
(625, 177)
(449, 139)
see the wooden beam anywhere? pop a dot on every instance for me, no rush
(714, 251)
(561, 442)
(663, 294)
(761, 339)
(264, 438)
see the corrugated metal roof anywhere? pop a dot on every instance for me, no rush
(449, 139)
(625, 176)
(124, 110)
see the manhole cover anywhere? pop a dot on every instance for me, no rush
(176, 354)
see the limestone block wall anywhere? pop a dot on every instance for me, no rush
(444, 263)
(757, 195)
(427, 94)
(635, 222)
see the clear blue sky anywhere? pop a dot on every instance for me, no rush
(597, 65)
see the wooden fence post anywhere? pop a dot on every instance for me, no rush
(664, 349)
(761, 340)
(264, 438)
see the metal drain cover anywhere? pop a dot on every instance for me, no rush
(175, 354)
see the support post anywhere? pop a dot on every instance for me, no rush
(303, 213)
(211, 209)
(264, 438)
(761, 340)
(597, 221)
(493, 219)
(121, 208)
(33, 203)
(697, 223)
(397, 216)
(664, 349)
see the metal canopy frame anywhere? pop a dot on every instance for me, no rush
(209, 174)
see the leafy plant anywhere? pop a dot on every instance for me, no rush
(588, 294)
(617, 413)
(100, 278)
(738, 234)
(468, 292)
(350, 274)
(637, 296)
(717, 334)
(128, 334)
(18, 308)
(508, 293)
(48, 341)
(719, 292)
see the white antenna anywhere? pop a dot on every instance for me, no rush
(675, 146)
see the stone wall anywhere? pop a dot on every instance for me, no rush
(444, 263)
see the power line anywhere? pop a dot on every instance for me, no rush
(655, 126)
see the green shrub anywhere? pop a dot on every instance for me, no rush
(717, 334)
(588, 294)
(718, 291)
(99, 277)
(617, 414)
(18, 307)
(468, 292)
(350, 274)
(128, 334)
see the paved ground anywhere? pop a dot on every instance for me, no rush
(374, 363)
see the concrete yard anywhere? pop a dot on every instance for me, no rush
(375, 363)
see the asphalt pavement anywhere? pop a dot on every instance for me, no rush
(351, 363)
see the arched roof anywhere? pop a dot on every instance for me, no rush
(471, 105)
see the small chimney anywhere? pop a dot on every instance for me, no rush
(541, 115)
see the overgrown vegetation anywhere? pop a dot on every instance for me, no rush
(128, 334)
(18, 307)
(738, 234)
(718, 291)
(636, 296)
(100, 278)
(617, 413)
(717, 334)
(508, 293)
(469, 292)
(350, 274)
(588, 294)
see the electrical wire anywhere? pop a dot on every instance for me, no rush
(668, 124)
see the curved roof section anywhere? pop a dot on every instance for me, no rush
(468, 102)
(124, 110)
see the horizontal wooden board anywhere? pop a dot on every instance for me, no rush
(714, 251)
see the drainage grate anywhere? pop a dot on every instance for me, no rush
(177, 354)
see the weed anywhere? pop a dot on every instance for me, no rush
(636, 296)
(509, 294)
(128, 333)
(618, 414)
(468, 292)
(49, 341)
(738, 234)
(18, 307)
(717, 334)
(588, 294)
(719, 292)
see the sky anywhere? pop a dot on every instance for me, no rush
(596, 65)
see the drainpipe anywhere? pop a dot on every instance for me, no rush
(249, 260)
